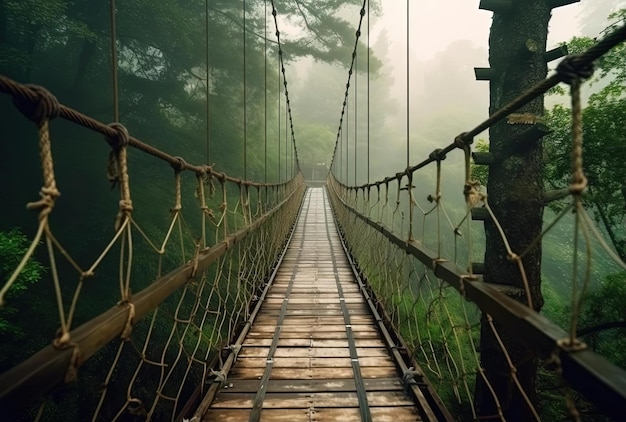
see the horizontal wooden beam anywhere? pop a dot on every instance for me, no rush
(555, 195)
(478, 268)
(534, 133)
(480, 214)
(483, 158)
(501, 6)
(484, 73)
(556, 53)
(558, 3)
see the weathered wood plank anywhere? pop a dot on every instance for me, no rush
(314, 328)
(311, 373)
(313, 385)
(308, 400)
(299, 362)
(314, 319)
(379, 414)
(313, 352)
(309, 342)
(331, 335)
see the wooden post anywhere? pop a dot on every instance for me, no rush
(556, 53)
(484, 73)
(558, 3)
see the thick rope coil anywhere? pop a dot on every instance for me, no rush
(40, 109)
(472, 193)
(462, 141)
(579, 180)
(572, 68)
(39, 106)
(178, 197)
(119, 143)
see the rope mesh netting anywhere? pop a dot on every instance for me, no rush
(166, 295)
(418, 254)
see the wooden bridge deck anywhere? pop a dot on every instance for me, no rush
(314, 352)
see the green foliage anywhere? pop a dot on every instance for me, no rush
(604, 139)
(481, 173)
(13, 246)
(604, 318)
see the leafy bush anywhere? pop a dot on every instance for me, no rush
(13, 246)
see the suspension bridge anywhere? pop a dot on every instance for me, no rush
(283, 302)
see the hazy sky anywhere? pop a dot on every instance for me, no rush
(439, 23)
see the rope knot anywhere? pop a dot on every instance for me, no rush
(46, 203)
(126, 206)
(462, 141)
(437, 155)
(471, 192)
(178, 164)
(572, 68)
(121, 137)
(39, 106)
(578, 185)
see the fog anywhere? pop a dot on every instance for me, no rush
(447, 40)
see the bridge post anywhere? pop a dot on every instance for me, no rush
(515, 191)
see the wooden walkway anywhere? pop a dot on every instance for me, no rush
(314, 352)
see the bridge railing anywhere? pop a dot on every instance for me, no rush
(417, 251)
(129, 318)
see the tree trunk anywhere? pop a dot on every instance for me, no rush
(515, 190)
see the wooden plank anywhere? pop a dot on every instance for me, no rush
(315, 300)
(379, 414)
(314, 320)
(311, 373)
(309, 400)
(329, 335)
(312, 385)
(304, 362)
(313, 328)
(309, 310)
(309, 342)
(313, 352)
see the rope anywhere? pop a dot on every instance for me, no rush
(245, 98)
(208, 87)
(282, 68)
(27, 96)
(580, 62)
(116, 106)
(345, 96)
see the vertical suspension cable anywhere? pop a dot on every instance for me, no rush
(208, 91)
(356, 115)
(348, 137)
(279, 129)
(116, 108)
(368, 92)
(245, 99)
(265, 89)
(408, 68)
(286, 137)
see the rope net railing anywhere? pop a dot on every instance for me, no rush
(418, 250)
(174, 281)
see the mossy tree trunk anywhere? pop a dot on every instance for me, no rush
(517, 43)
